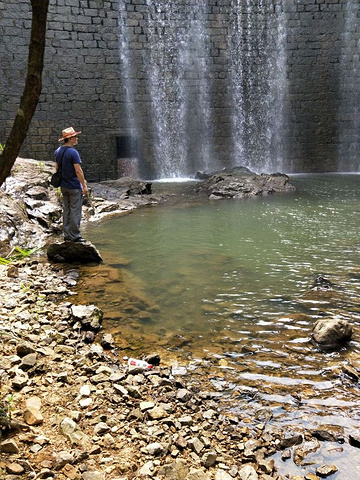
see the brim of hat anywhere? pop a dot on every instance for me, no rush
(69, 136)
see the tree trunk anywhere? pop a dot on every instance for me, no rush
(32, 89)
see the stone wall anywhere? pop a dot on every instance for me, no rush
(97, 79)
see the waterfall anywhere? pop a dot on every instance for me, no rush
(258, 83)
(178, 87)
(214, 79)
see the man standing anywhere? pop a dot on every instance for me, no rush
(73, 184)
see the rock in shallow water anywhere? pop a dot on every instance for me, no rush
(73, 252)
(332, 333)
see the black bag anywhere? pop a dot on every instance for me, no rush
(55, 180)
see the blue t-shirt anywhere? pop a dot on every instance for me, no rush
(69, 157)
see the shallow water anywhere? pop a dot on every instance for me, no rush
(227, 286)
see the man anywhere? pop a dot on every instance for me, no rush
(73, 184)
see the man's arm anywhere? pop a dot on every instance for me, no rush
(80, 175)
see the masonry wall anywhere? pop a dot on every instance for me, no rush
(83, 85)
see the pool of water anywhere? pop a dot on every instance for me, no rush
(226, 286)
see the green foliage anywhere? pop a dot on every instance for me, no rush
(2, 146)
(7, 406)
(17, 254)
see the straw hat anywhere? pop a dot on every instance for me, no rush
(67, 133)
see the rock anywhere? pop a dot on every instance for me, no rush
(20, 381)
(196, 445)
(32, 416)
(14, 469)
(289, 440)
(248, 472)
(331, 334)
(157, 413)
(107, 341)
(89, 316)
(307, 447)
(147, 469)
(101, 428)
(239, 182)
(93, 476)
(175, 471)
(70, 252)
(329, 433)
(222, 475)
(155, 448)
(326, 470)
(9, 446)
(209, 459)
(183, 395)
(29, 361)
(197, 475)
(354, 439)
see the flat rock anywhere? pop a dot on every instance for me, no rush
(240, 182)
(73, 252)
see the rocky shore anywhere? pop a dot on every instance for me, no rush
(71, 407)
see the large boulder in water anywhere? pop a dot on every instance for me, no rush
(240, 182)
(73, 252)
(331, 334)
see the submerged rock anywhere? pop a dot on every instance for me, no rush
(69, 252)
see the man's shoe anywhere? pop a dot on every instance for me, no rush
(79, 240)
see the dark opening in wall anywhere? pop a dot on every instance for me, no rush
(128, 156)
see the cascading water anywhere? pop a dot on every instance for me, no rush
(177, 79)
(178, 57)
(258, 84)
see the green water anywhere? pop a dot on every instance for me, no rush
(235, 267)
(226, 287)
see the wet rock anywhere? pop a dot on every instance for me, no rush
(107, 341)
(289, 440)
(329, 433)
(89, 316)
(73, 252)
(322, 283)
(326, 470)
(354, 439)
(332, 333)
(351, 372)
(305, 449)
(240, 183)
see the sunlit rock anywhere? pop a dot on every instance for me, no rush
(332, 333)
(239, 183)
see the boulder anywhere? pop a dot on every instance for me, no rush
(240, 182)
(73, 252)
(332, 333)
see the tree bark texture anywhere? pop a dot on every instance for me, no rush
(32, 88)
